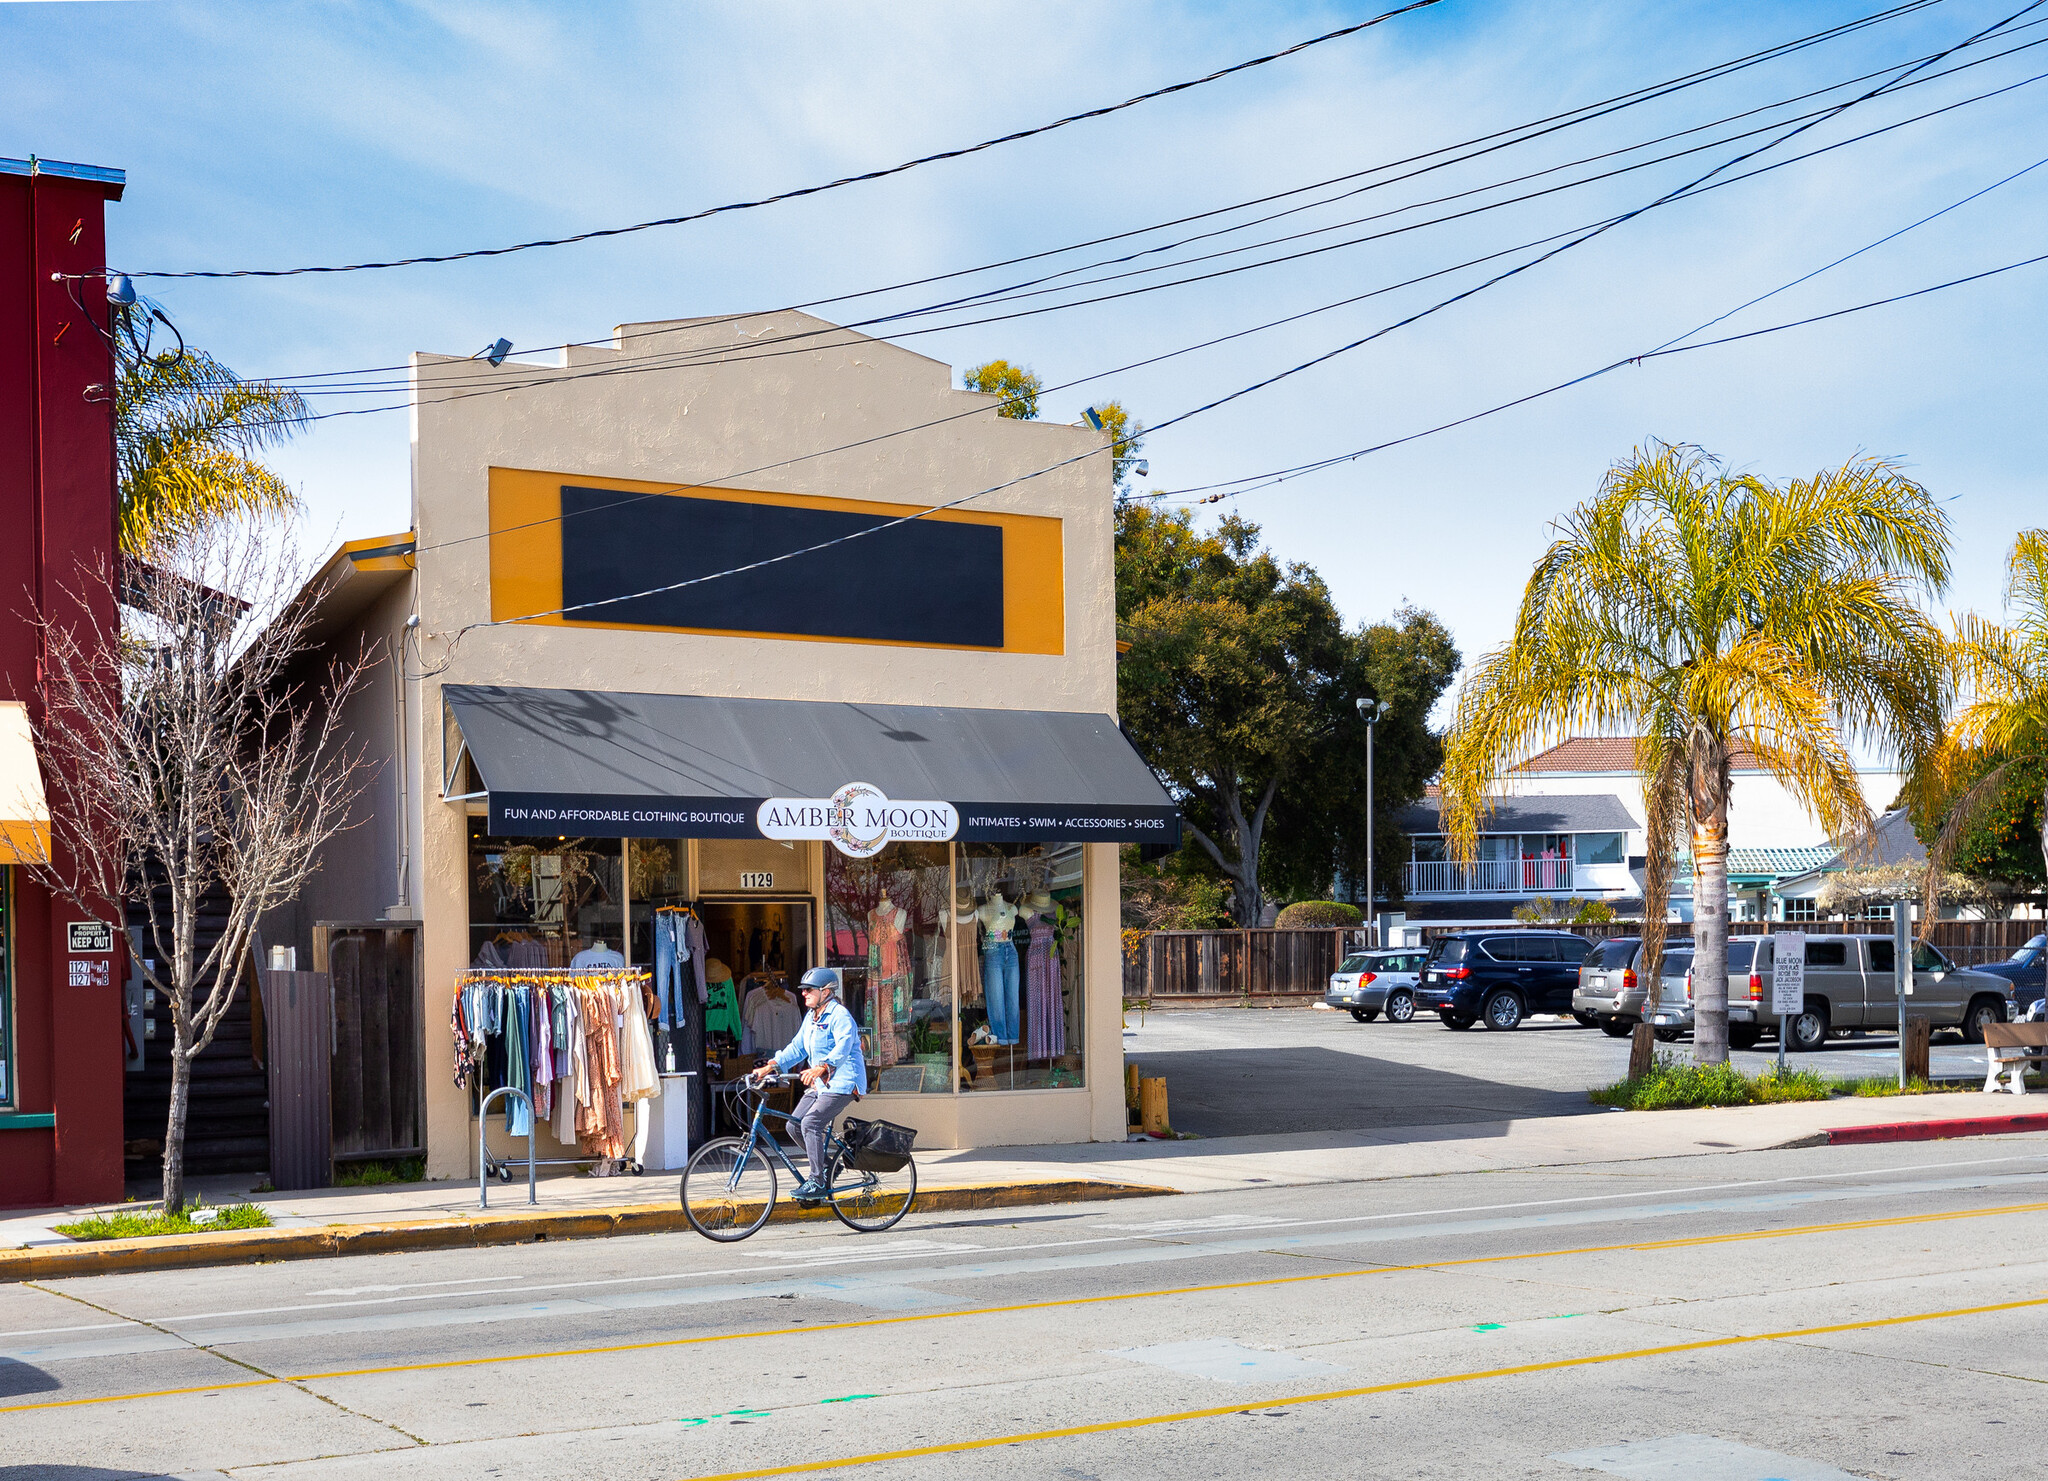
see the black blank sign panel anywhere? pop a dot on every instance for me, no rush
(922, 581)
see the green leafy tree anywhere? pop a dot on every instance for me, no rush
(1127, 438)
(1696, 608)
(1988, 781)
(186, 434)
(1018, 387)
(1240, 687)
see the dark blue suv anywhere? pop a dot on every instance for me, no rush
(1498, 978)
(2026, 969)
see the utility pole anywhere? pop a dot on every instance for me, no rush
(1372, 711)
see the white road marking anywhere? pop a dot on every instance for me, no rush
(1224, 1361)
(855, 1258)
(417, 1285)
(1698, 1458)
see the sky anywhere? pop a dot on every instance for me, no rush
(271, 135)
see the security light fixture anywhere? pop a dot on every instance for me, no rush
(1142, 468)
(1094, 417)
(495, 352)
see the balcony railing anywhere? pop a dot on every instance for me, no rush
(1490, 877)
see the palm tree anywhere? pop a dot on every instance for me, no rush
(1698, 609)
(2001, 672)
(186, 432)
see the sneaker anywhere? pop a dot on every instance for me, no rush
(810, 1190)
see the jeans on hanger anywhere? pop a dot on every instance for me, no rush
(999, 984)
(671, 953)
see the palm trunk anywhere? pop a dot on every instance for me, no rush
(1710, 905)
(174, 1128)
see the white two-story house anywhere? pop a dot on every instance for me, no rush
(1569, 822)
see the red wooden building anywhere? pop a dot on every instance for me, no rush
(61, 1006)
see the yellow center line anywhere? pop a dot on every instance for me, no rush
(1063, 1303)
(1145, 1421)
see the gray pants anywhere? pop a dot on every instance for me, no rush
(815, 1114)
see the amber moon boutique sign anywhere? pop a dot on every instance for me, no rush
(857, 820)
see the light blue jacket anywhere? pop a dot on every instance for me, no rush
(835, 1041)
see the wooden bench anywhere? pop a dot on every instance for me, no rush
(2011, 1047)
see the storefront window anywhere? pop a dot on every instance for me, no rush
(1018, 907)
(542, 902)
(887, 921)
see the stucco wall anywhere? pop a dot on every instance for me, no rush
(721, 409)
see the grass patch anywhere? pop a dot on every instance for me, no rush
(376, 1174)
(135, 1225)
(1678, 1084)
(1882, 1085)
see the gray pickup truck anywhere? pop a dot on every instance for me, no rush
(1848, 985)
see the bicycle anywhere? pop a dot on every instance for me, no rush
(729, 1185)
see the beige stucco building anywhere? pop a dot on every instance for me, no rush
(607, 682)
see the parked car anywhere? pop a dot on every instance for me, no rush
(1671, 1016)
(1500, 977)
(1370, 983)
(1848, 985)
(1608, 992)
(2026, 969)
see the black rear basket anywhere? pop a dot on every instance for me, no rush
(878, 1146)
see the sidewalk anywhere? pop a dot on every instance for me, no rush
(436, 1215)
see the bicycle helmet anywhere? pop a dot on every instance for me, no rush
(826, 978)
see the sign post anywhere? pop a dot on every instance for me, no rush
(1788, 984)
(1902, 974)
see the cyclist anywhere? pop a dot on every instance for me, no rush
(828, 1044)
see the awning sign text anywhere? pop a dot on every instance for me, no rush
(857, 820)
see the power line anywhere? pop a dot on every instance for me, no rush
(843, 181)
(1307, 364)
(1506, 138)
(1256, 481)
(542, 377)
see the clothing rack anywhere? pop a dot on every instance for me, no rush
(639, 979)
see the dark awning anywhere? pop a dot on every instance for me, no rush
(600, 764)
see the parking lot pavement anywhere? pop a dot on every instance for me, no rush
(1242, 1072)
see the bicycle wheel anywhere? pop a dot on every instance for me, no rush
(870, 1201)
(728, 1189)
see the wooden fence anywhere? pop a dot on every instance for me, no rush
(1241, 964)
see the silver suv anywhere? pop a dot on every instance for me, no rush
(1849, 984)
(1369, 983)
(1608, 992)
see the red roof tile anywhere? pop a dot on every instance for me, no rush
(1608, 753)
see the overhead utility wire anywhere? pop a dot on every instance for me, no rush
(1272, 379)
(844, 180)
(764, 349)
(1527, 131)
(1283, 475)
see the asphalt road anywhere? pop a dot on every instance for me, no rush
(1871, 1311)
(1241, 1072)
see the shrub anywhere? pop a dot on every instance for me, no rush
(1676, 1084)
(131, 1226)
(376, 1174)
(1306, 915)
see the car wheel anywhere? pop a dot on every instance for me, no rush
(1455, 1020)
(1503, 1011)
(1365, 1015)
(1668, 1035)
(1586, 1020)
(1743, 1035)
(1616, 1028)
(1400, 1007)
(1981, 1012)
(1808, 1030)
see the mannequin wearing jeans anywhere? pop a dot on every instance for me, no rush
(999, 967)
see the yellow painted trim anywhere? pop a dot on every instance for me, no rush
(526, 558)
(1073, 1301)
(24, 841)
(405, 562)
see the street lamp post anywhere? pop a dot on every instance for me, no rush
(1372, 711)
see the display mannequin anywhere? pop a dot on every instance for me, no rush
(999, 972)
(597, 954)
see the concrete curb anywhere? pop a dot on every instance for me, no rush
(469, 1231)
(1933, 1131)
